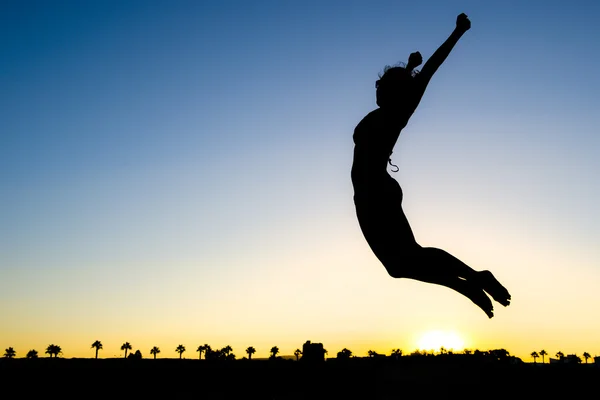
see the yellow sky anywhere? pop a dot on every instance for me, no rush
(349, 303)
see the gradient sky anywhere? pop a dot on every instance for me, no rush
(179, 172)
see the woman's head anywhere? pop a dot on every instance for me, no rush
(393, 85)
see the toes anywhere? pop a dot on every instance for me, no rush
(482, 301)
(491, 285)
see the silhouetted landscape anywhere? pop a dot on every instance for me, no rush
(305, 375)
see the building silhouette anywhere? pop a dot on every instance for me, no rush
(313, 352)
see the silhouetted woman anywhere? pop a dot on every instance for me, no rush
(378, 197)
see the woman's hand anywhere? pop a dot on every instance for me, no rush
(462, 23)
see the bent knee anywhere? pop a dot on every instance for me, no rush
(403, 266)
(395, 273)
(399, 270)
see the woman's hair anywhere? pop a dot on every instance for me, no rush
(393, 79)
(401, 65)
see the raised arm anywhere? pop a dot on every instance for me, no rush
(431, 66)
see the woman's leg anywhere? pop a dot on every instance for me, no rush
(402, 255)
(390, 236)
(392, 241)
(470, 290)
(436, 262)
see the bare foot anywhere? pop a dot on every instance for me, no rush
(491, 285)
(480, 299)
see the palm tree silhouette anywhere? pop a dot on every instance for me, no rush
(10, 353)
(126, 346)
(32, 354)
(535, 355)
(208, 352)
(180, 349)
(154, 351)
(297, 353)
(250, 350)
(397, 353)
(560, 355)
(53, 349)
(586, 355)
(201, 349)
(274, 351)
(227, 353)
(543, 353)
(467, 351)
(372, 353)
(97, 345)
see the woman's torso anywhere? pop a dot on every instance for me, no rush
(374, 139)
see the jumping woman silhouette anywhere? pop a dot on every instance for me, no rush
(378, 197)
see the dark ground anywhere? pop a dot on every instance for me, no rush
(408, 377)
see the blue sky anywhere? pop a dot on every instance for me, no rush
(189, 156)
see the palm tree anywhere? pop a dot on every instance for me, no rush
(53, 349)
(208, 352)
(97, 345)
(274, 351)
(126, 346)
(371, 353)
(10, 353)
(543, 353)
(154, 351)
(32, 354)
(200, 350)
(297, 353)
(586, 355)
(560, 355)
(250, 350)
(227, 353)
(180, 349)
(397, 353)
(535, 355)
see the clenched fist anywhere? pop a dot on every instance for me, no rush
(462, 23)
(414, 60)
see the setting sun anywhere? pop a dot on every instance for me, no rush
(434, 340)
